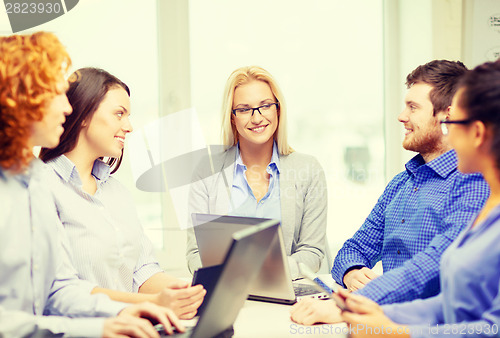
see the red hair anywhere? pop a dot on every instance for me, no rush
(31, 66)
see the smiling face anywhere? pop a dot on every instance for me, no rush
(105, 133)
(46, 133)
(422, 130)
(257, 129)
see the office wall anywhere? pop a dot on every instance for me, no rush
(328, 58)
(341, 65)
(119, 36)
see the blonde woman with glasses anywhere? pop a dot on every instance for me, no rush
(260, 175)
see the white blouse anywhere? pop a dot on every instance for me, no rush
(109, 246)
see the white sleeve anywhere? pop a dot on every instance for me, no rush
(70, 296)
(22, 324)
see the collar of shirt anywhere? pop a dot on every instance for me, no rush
(68, 172)
(272, 168)
(443, 165)
(34, 169)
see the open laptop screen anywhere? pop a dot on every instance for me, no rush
(242, 263)
(213, 235)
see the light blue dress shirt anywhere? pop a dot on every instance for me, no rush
(243, 201)
(422, 210)
(469, 302)
(109, 246)
(37, 277)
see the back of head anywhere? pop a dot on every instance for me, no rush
(443, 76)
(87, 89)
(480, 98)
(240, 77)
(31, 67)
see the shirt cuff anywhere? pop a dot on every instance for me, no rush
(86, 327)
(105, 307)
(346, 268)
(144, 273)
(73, 327)
(390, 311)
(294, 268)
(84, 284)
(194, 263)
(116, 307)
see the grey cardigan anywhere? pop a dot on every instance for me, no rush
(303, 196)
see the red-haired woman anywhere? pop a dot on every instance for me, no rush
(37, 278)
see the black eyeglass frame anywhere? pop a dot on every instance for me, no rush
(258, 108)
(445, 122)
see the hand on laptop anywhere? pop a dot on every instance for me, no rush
(358, 278)
(368, 315)
(309, 311)
(182, 298)
(135, 321)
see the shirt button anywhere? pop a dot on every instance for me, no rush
(403, 220)
(415, 189)
(399, 252)
(35, 267)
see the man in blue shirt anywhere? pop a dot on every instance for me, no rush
(421, 211)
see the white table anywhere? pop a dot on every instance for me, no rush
(263, 319)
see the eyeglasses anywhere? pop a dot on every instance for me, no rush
(445, 123)
(265, 109)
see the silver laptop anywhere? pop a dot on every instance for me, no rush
(241, 264)
(274, 283)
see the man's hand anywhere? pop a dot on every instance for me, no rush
(182, 298)
(366, 317)
(154, 313)
(358, 278)
(309, 311)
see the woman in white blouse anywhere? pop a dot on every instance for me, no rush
(260, 175)
(108, 244)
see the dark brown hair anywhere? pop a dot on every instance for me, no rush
(480, 99)
(443, 76)
(31, 67)
(87, 89)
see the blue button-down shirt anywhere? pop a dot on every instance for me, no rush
(421, 211)
(243, 201)
(470, 288)
(36, 275)
(108, 243)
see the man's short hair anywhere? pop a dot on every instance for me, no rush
(443, 76)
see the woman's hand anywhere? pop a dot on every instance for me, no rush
(367, 319)
(182, 298)
(128, 326)
(135, 321)
(309, 311)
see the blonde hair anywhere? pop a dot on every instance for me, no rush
(242, 76)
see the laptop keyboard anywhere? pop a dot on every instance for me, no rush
(304, 289)
(176, 333)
